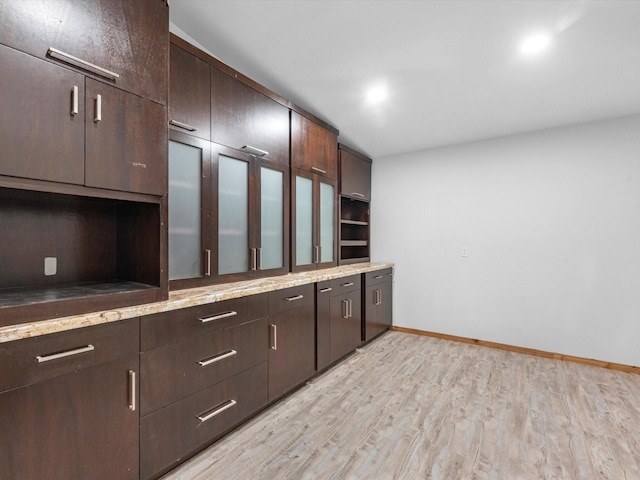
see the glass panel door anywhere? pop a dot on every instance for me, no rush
(271, 219)
(185, 197)
(327, 222)
(304, 221)
(233, 215)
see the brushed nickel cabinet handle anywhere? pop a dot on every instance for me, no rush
(390, 274)
(255, 151)
(356, 194)
(345, 308)
(296, 297)
(132, 390)
(319, 170)
(207, 263)
(74, 101)
(377, 277)
(217, 358)
(98, 116)
(218, 317)
(254, 259)
(325, 290)
(348, 284)
(274, 337)
(55, 53)
(176, 123)
(67, 353)
(218, 410)
(316, 254)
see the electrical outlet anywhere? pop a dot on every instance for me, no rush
(50, 266)
(465, 252)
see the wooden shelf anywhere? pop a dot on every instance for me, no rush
(347, 261)
(354, 243)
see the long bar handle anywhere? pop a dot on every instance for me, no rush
(350, 307)
(377, 277)
(254, 259)
(217, 358)
(348, 284)
(325, 290)
(102, 71)
(345, 308)
(132, 390)
(74, 101)
(319, 170)
(98, 115)
(225, 406)
(274, 337)
(316, 254)
(68, 353)
(182, 125)
(296, 297)
(255, 151)
(218, 317)
(207, 263)
(356, 194)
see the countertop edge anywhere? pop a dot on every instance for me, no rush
(184, 299)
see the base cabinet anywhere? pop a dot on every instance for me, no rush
(345, 316)
(377, 303)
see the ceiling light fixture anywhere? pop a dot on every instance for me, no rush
(535, 44)
(376, 94)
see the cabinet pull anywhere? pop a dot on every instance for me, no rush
(356, 194)
(67, 353)
(254, 151)
(350, 308)
(254, 259)
(377, 277)
(132, 390)
(74, 101)
(319, 170)
(225, 406)
(259, 258)
(217, 358)
(296, 297)
(218, 317)
(345, 308)
(176, 123)
(98, 116)
(348, 284)
(54, 52)
(274, 337)
(325, 290)
(207, 263)
(390, 274)
(316, 254)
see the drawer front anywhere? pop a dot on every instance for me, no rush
(171, 434)
(345, 284)
(178, 370)
(39, 358)
(289, 298)
(171, 327)
(378, 276)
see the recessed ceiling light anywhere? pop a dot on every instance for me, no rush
(535, 44)
(376, 94)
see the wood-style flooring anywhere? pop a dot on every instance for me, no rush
(414, 407)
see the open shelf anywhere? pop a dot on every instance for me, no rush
(354, 222)
(354, 231)
(354, 243)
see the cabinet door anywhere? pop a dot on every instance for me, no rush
(313, 147)
(189, 224)
(243, 117)
(355, 176)
(323, 325)
(386, 299)
(42, 119)
(72, 426)
(127, 38)
(345, 324)
(327, 214)
(372, 312)
(126, 141)
(190, 96)
(274, 220)
(304, 242)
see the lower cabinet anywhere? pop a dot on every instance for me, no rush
(292, 338)
(68, 408)
(377, 303)
(345, 317)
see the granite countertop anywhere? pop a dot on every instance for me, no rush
(185, 298)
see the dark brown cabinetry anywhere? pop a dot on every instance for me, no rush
(377, 303)
(345, 319)
(69, 404)
(355, 174)
(292, 338)
(203, 371)
(323, 325)
(313, 147)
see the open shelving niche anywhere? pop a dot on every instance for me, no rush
(354, 231)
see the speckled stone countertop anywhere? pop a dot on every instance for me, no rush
(184, 299)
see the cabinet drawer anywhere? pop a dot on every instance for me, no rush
(345, 284)
(173, 372)
(171, 327)
(378, 276)
(289, 298)
(171, 434)
(39, 358)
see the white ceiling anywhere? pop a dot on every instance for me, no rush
(452, 67)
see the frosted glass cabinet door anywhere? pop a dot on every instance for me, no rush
(327, 216)
(233, 215)
(304, 221)
(271, 218)
(185, 194)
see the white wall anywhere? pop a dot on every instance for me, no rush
(552, 223)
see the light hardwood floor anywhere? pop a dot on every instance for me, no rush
(412, 407)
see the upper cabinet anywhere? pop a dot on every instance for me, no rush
(355, 174)
(123, 43)
(245, 119)
(190, 93)
(314, 148)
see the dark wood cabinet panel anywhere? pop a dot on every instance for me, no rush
(355, 175)
(292, 339)
(172, 434)
(345, 320)
(41, 136)
(130, 39)
(243, 117)
(313, 147)
(377, 303)
(126, 141)
(323, 325)
(190, 93)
